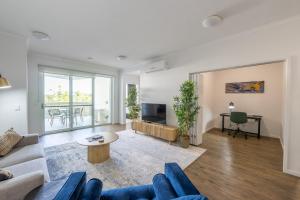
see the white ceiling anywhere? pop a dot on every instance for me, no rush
(139, 29)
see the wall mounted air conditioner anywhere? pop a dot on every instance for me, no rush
(156, 66)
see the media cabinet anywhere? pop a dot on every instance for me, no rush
(165, 132)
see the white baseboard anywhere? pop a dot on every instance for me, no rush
(291, 172)
(281, 142)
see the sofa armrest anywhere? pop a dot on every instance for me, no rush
(163, 188)
(73, 187)
(127, 193)
(192, 197)
(92, 190)
(18, 187)
(28, 140)
(180, 182)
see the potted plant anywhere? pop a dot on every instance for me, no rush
(186, 109)
(132, 105)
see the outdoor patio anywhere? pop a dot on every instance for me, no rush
(59, 118)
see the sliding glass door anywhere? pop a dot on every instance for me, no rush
(102, 100)
(56, 102)
(73, 102)
(82, 101)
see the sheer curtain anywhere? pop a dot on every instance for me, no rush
(196, 130)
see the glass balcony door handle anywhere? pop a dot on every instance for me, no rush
(43, 106)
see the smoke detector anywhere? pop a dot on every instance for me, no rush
(211, 21)
(121, 57)
(40, 35)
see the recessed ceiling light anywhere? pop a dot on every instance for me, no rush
(40, 35)
(211, 21)
(122, 57)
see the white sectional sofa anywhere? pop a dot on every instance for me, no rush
(28, 165)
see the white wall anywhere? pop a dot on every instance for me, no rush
(207, 98)
(161, 87)
(126, 79)
(268, 104)
(34, 102)
(272, 42)
(13, 66)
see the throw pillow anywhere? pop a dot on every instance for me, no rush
(8, 140)
(4, 175)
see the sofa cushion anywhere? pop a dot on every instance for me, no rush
(180, 182)
(22, 154)
(18, 187)
(143, 192)
(46, 191)
(162, 188)
(8, 140)
(30, 166)
(28, 139)
(192, 197)
(73, 187)
(92, 190)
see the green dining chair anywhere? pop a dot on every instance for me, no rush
(239, 118)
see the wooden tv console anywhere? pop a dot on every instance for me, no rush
(165, 132)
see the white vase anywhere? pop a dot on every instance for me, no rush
(128, 124)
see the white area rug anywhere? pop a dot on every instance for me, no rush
(135, 159)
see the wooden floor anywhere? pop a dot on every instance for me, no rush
(231, 168)
(239, 169)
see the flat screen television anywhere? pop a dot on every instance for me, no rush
(154, 113)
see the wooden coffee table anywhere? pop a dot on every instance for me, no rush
(99, 151)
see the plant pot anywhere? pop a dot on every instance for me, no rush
(129, 124)
(184, 141)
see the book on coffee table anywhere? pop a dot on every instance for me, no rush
(101, 140)
(93, 138)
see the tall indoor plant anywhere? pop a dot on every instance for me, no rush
(132, 105)
(186, 109)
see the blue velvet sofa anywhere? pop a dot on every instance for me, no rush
(173, 184)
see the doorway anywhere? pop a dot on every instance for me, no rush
(236, 89)
(75, 101)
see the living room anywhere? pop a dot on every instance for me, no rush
(74, 71)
